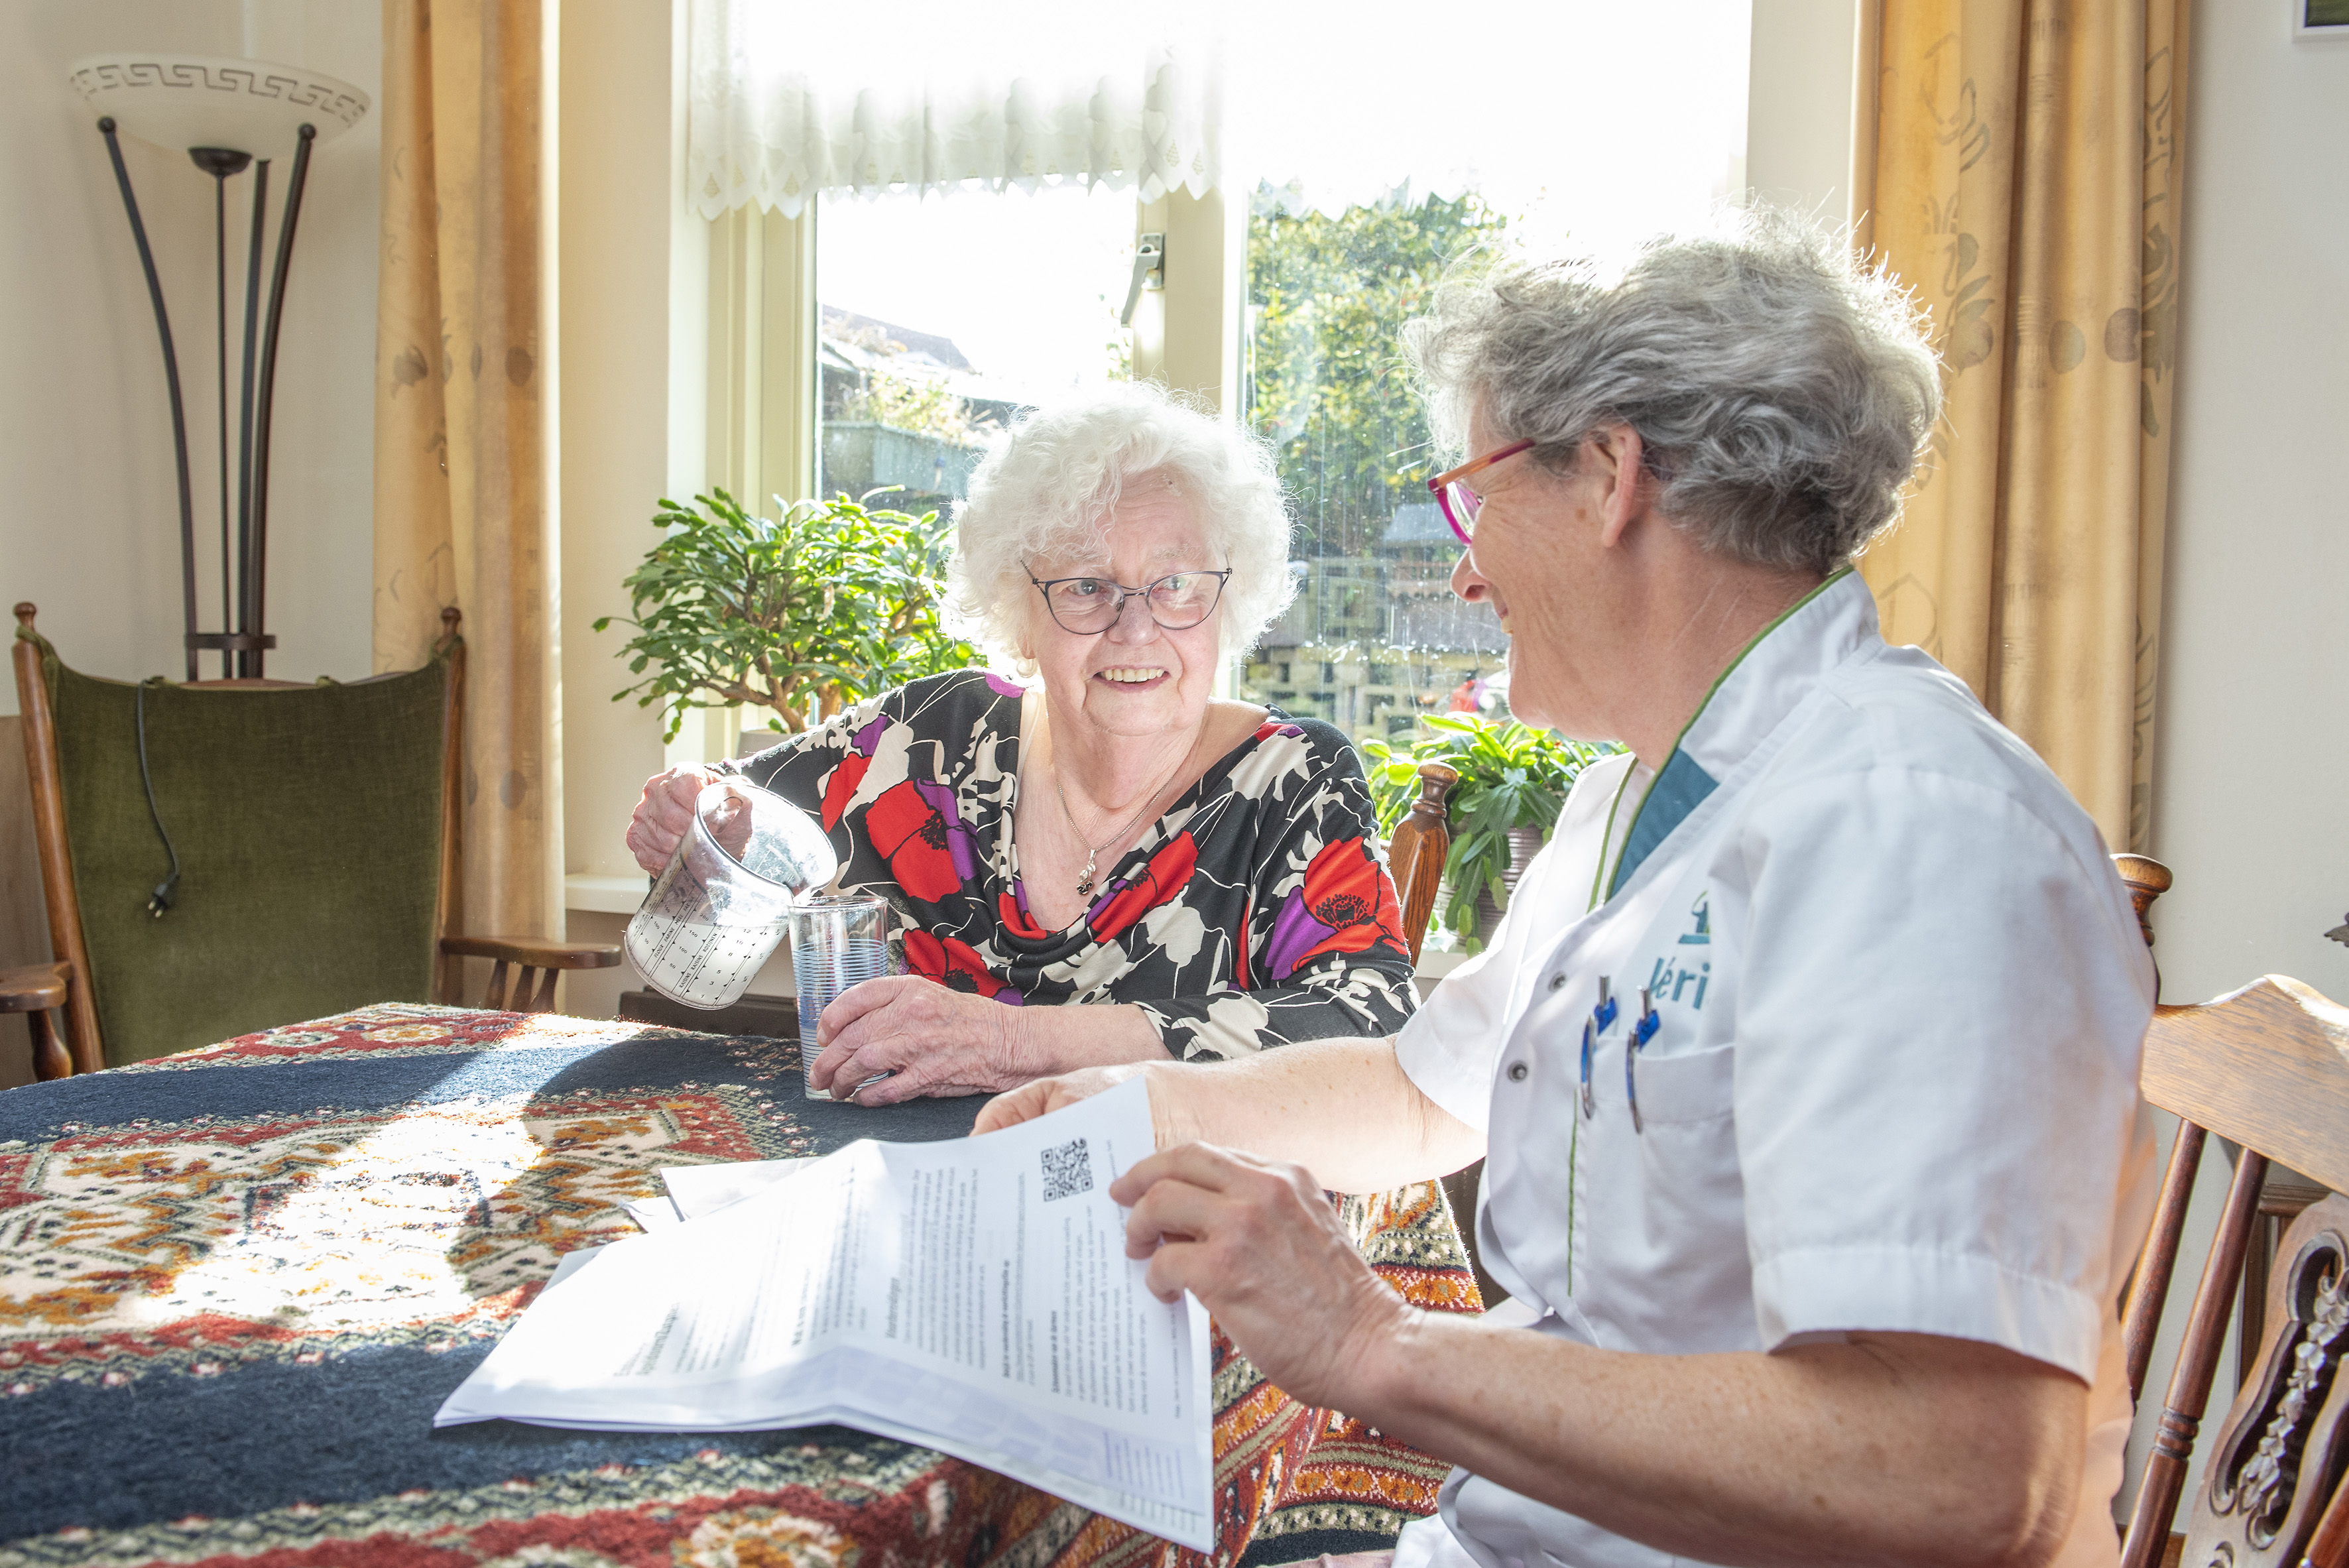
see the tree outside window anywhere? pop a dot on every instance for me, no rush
(1376, 638)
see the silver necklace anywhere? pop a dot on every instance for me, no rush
(1092, 851)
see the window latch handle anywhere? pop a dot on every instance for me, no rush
(1149, 272)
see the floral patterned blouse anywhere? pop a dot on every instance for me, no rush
(1255, 911)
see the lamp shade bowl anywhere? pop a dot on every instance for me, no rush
(184, 101)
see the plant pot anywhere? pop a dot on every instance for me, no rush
(1524, 844)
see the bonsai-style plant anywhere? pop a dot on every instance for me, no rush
(801, 616)
(1511, 778)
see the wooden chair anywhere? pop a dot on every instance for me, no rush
(1416, 852)
(320, 825)
(2267, 1067)
(37, 990)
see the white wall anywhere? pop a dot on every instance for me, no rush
(634, 331)
(1798, 105)
(89, 527)
(2251, 759)
(2250, 752)
(90, 531)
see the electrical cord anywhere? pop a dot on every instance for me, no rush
(167, 892)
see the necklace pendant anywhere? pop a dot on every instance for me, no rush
(1085, 878)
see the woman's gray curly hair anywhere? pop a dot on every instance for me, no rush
(1048, 484)
(1782, 393)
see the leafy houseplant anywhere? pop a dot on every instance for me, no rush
(804, 615)
(1511, 777)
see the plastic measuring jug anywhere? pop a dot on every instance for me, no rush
(718, 909)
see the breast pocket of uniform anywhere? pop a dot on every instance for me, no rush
(1688, 1089)
(1690, 1193)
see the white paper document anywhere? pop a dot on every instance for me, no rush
(972, 1296)
(694, 1190)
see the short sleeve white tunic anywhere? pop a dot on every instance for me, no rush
(1898, 997)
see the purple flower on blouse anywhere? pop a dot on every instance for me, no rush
(1002, 687)
(1109, 890)
(958, 844)
(1295, 934)
(867, 740)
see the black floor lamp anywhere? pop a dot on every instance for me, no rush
(227, 114)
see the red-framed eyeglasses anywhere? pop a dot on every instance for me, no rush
(1460, 504)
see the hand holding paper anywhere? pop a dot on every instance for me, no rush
(1260, 1245)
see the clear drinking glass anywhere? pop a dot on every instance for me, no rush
(837, 940)
(716, 911)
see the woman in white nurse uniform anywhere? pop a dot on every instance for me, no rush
(1805, 1061)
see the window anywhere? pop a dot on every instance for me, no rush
(1375, 622)
(942, 319)
(1637, 128)
(1323, 205)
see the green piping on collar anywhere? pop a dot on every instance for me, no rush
(1616, 882)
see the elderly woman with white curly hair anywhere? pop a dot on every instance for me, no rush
(1204, 870)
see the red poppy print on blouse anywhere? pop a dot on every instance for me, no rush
(840, 788)
(953, 964)
(1347, 903)
(929, 850)
(1126, 902)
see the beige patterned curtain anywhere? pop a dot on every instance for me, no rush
(2021, 172)
(465, 431)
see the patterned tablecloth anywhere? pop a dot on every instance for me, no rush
(235, 1284)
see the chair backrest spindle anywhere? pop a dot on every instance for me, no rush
(2266, 1068)
(1416, 854)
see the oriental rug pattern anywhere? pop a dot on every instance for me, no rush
(234, 1284)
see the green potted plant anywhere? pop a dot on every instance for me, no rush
(801, 616)
(1512, 780)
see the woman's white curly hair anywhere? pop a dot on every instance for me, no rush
(1047, 485)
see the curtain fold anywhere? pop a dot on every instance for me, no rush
(465, 432)
(2022, 176)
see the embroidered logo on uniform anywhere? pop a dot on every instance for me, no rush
(1702, 910)
(1672, 981)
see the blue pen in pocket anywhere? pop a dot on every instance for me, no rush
(1601, 1020)
(1641, 1033)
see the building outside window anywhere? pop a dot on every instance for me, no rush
(943, 319)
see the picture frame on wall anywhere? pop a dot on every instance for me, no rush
(2320, 19)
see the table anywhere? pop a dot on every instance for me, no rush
(235, 1284)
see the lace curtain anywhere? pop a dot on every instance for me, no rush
(785, 101)
(1303, 107)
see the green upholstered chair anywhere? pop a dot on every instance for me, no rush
(314, 833)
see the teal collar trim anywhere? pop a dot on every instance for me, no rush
(1683, 785)
(1679, 789)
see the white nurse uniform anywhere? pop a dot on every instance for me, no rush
(1883, 1075)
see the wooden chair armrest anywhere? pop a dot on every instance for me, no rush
(531, 951)
(36, 987)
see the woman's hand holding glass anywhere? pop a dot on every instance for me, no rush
(929, 1039)
(934, 1040)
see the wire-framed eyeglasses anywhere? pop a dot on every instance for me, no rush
(1460, 504)
(1177, 601)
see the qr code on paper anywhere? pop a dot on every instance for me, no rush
(1068, 1171)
